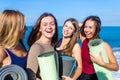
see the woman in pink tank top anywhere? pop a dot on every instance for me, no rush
(89, 31)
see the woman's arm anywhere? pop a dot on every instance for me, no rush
(80, 36)
(77, 54)
(112, 65)
(32, 63)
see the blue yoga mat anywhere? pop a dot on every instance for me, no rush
(96, 46)
(12, 72)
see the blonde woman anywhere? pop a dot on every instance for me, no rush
(12, 30)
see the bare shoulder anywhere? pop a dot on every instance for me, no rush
(76, 49)
(77, 45)
(108, 49)
(107, 46)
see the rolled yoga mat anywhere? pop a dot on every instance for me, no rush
(12, 72)
(67, 65)
(96, 46)
(48, 64)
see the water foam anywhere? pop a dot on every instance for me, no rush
(116, 52)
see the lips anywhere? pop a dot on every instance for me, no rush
(65, 32)
(87, 33)
(49, 31)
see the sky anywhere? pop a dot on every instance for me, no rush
(107, 10)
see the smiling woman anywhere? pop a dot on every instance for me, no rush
(90, 31)
(42, 39)
(68, 48)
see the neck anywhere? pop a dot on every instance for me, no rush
(18, 46)
(64, 43)
(45, 40)
(65, 40)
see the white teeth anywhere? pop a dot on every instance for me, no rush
(87, 33)
(49, 31)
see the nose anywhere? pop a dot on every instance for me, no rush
(86, 29)
(49, 26)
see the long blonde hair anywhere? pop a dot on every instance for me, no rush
(11, 26)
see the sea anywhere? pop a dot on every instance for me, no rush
(110, 34)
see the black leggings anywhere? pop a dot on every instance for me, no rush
(88, 77)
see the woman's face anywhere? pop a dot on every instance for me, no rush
(68, 29)
(47, 27)
(89, 29)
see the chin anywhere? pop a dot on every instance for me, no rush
(67, 36)
(89, 38)
(50, 37)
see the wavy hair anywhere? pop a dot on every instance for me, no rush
(35, 34)
(11, 26)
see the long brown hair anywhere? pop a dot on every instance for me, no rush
(35, 34)
(97, 22)
(74, 37)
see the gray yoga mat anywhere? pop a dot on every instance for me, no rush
(96, 46)
(48, 64)
(67, 65)
(12, 72)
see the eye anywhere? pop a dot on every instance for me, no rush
(52, 24)
(44, 24)
(65, 25)
(85, 26)
(90, 27)
(71, 28)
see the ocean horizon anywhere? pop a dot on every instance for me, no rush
(110, 34)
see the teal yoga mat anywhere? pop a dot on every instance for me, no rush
(96, 46)
(67, 65)
(48, 64)
(13, 72)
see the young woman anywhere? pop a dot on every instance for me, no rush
(69, 46)
(42, 39)
(12, 31)
(90, 31)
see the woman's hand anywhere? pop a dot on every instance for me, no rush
(66, 78)
(97, 59)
